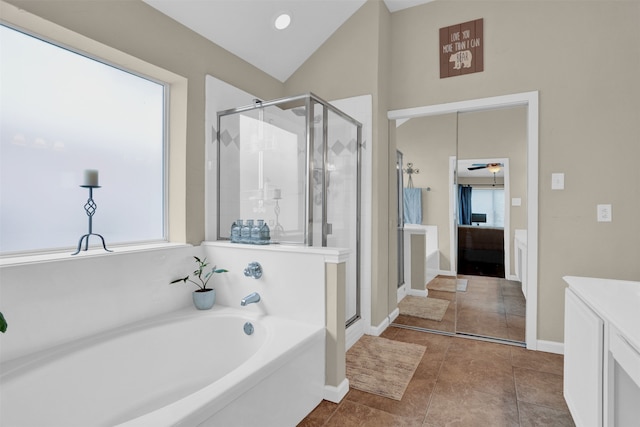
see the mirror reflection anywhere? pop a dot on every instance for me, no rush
(472, 183)
(429, 144)
(492, 185)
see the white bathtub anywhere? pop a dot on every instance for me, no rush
(187, 368)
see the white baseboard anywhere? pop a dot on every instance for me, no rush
(513, 278)
(336, 394)
(394, 315)
(550, 347)
(379, 329)
(447, 273)
(402, 292)
(418, 292)
(353, 333)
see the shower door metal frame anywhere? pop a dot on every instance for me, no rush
(309, 100)
(308, 238)
(400, 222)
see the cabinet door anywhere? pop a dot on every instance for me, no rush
(583, 356)
(623, 389)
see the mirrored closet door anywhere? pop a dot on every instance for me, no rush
(492, 186)
(463, 274)
(428, 145)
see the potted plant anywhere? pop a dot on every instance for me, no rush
(203, 297)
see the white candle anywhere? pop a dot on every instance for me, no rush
(90, 178)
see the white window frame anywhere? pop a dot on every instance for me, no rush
(176, 123)
(477, 188)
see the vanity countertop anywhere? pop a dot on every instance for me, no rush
(618, 301)
(415, 228)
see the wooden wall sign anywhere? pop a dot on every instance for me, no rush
(461, 49)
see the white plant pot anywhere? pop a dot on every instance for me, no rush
(204, 300)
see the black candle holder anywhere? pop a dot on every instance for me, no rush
(90, 208)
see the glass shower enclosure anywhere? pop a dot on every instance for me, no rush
(294, 163)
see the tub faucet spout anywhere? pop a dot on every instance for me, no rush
(252, 298)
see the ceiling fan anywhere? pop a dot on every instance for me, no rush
(493, 167)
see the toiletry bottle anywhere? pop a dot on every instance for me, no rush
(255, 232)
(245, 231)
(235, 231)
(265, 234)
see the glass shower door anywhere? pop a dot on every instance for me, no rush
(295, 164)
(342, 199)
(263, 152)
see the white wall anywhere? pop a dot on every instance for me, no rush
(52, 302)
(55, 302)
(292, 283)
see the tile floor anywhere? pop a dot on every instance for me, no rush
(448, 322)
(460, 382)
(491, 307)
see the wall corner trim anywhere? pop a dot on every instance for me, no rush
(394, 315)
(550, 347)
(376, 330)
(337, 257)
(336, 394)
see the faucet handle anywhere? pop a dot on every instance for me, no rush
(254, 269)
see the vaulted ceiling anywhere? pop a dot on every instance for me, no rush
(246, 27)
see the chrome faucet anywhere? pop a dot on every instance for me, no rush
(252, 298)
(254, 269)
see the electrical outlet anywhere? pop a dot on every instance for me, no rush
(557, 181)
(604, 213)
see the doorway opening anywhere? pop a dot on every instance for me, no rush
(524, 272)
(482, 191)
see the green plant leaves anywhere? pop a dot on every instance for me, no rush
(3, 323)
(197, 274)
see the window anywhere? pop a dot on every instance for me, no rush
(62, 113)
(489, 201)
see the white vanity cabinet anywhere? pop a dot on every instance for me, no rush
(583, 354)
(623, 377)
(602, 352)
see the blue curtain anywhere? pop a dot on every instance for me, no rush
(412, 206)
(464, 205)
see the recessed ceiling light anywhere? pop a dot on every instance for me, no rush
(282, 21)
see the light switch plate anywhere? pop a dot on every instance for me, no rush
(604, 213)
(557, 181)
(516, 201)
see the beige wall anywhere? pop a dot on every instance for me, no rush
(355, 61)
(581, 55)
(428, 142)
(583, 58)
